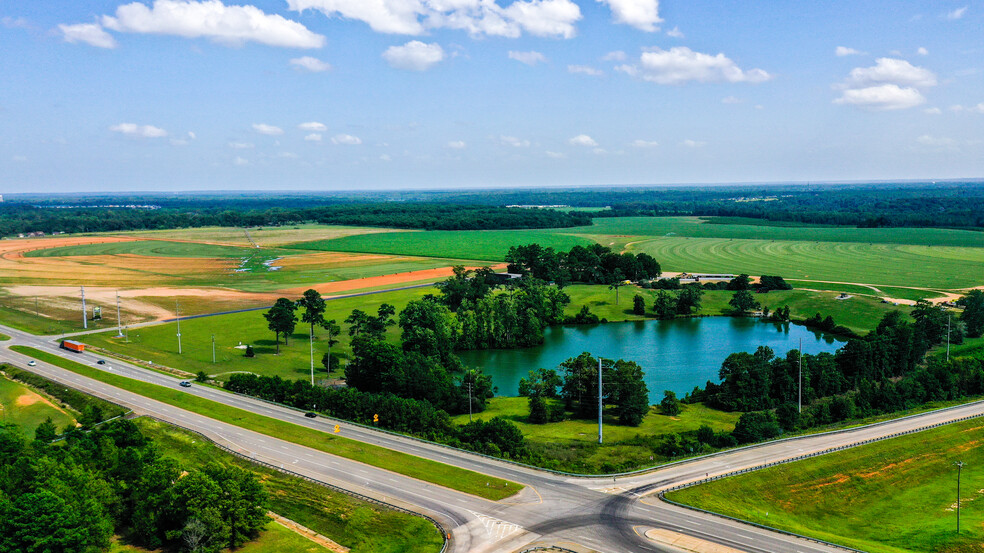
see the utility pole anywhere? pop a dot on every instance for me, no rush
(600, 405)
(213, 348)
(119, 322)
(85, 318)
(312, 356)
(177, 316)
(959, 466)
(37, 312)
(801, 376)
(948, 337)
(469, 402)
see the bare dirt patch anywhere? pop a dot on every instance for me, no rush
(393, 280)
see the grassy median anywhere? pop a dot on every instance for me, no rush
(415, 467)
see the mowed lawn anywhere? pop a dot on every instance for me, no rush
(27, 409)
(273, 539)
(888, 497)
(159, 343)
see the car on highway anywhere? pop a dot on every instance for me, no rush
(310, 414)
(185, 384)
(32, 363)
(101, 362)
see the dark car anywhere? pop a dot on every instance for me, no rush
(310, 414)
(185, 384)
(101, 362)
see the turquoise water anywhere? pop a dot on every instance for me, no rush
(676, 355)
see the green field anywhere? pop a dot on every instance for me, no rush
(159, 343)
(488, 245)
(263, 237)
(361, 526)
(429, 471)
(27, 408)
(274, 539)
(892, 496)
(152, 248)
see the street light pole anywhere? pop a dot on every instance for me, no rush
(469, 402)
(600, 405)
(177, 316)
(213, 348)
(801, 376)
(312, 356)
(948, 337)
(959, 466)
(119, 323)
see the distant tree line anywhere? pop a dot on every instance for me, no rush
(76, 495)
(23, 218)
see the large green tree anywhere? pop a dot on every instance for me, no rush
(313, 306)
(743, 301)
(281, 319)
(973, 312)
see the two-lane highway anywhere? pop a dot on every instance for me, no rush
(605, 514)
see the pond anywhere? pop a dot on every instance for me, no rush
(676, 355)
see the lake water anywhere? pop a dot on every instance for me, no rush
(677, 354)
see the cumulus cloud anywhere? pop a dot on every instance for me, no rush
(890, 84)
(313, 65)
(641, 14)
(582, 140)
(268, 130)
(639, 143)
(16, 23)
(514, 142)
(979, 108)
(88, 33)
(346, 139)
(457, 145)
(693, 143)
(842, 51)
(231, 25)
(477, 17)
(529, 58)
(240, 161)
(922, 51)
(139, 131)
(933, 111)
(680, 65)
(956, 14)
(675, 32)
(313, 126)
(617, 55)
(937, 141)
(313, 137)
(414, 55)
(584, 70)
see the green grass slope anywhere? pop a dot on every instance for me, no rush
(27, 409)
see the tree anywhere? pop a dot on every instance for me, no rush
(540, 385)
(973, 314)
(670, 405)
(755, 427)
(361, 323)
(665, 305)
(743, 301)
(618, 281)
(201, 377)
(314, 308)
(249, 351)
(638, 305)
(740, 282)
(689, 299)
(281, 319)
(333, 330)
(46, 431)
(429, 328)
(627, 390)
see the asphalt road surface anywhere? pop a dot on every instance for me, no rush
(609, 515)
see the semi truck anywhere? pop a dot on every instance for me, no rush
(72, 345)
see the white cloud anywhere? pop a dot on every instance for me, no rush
(19, 159)
(268, 130)
(693, 143)
(457, 145)
(584, 70)
(933, 111)
(231, 25)
(617, 55)
(956, 14)
(582, 140)
(16, 23)
(892, 71)
(313, 65)
(179, 142)
(890, 84)
(514, 142)
(477, 17)
(414, 55)
(680, 64)
(385, 157)
(639, 143)
(240, 145)
(240, 161)
(882, 97)
(555, 155)
(675, 32)
(89, 33)
(641, 14)
(346, 139)
(192, 135)
(979, 108)
(139, 131)
(922, 51)
(313, 126)
(599, 151)
(731, 100)
(529, 58)
(842, 51)
(936, 142)
(313, 137)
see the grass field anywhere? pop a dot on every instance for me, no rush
(888, 497)
(27, 409)
(361, 526)
(429, 471)
(273, 539)
(263, 237)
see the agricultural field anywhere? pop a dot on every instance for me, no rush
(361, 526)
(27, 408)
(892, 496)
(264, 237)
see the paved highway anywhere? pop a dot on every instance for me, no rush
(609, 515)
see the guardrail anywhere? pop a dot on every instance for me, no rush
(548, 548)
(662, 494)
(437, 525)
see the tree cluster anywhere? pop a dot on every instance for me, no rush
(73, 497)
(594, 264)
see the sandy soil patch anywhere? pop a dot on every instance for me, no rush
(30, 398)
(395, 280)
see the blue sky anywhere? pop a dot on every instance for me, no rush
(373, 94)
